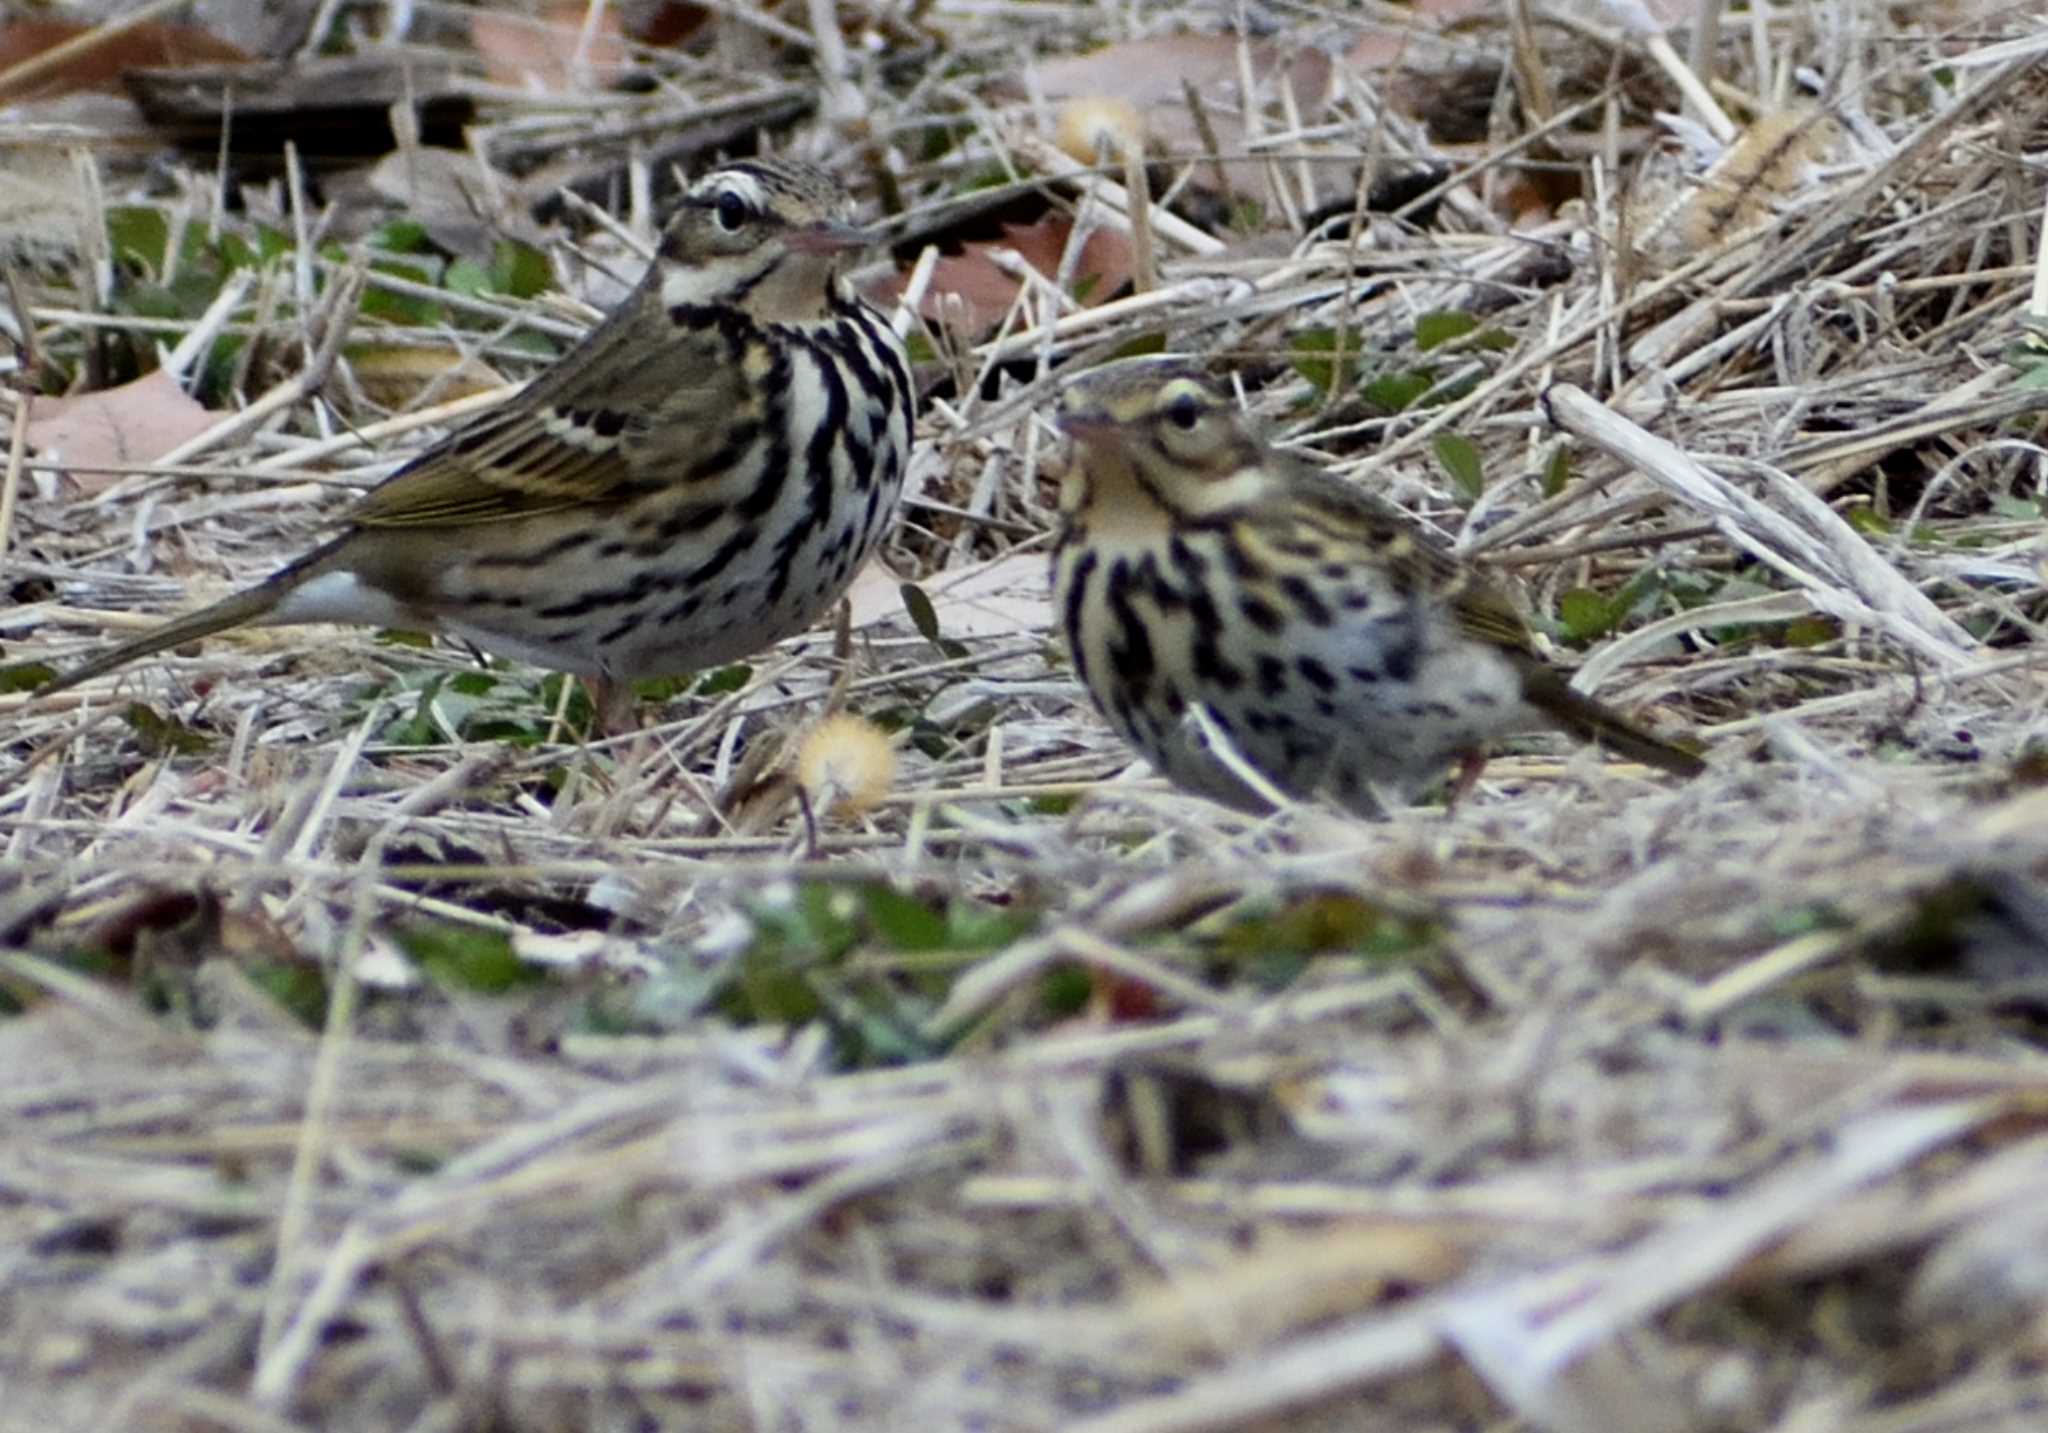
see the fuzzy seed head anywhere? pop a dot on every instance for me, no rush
(846, 764)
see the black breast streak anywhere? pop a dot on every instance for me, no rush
(649, 583)
(740, 440)
(1261, 613)
(683, 611)
(1398, 639)
(772, 435)
(727, 322)
(1131, 656)
(1272, 675)
(1307, 601)
(820, 473)
(1207, 647)
(1082, 574)
(856, 319)
(658, 537)
(1155, 584)
(540, 556)
(1186, 561)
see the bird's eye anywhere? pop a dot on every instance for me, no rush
(732, 211)
(1184, 412)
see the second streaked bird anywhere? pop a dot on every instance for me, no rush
(1319, 631)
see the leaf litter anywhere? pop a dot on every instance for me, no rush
(381, 1053)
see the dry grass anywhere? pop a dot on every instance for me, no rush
(1597, 1104)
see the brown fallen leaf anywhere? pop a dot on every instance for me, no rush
(135, 423)
(548, 53)
(149, 45)
(970, 292)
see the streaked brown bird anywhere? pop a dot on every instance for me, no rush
(701, 476)
(1338, 648)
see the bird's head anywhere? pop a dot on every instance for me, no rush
(1173, 432)
(764, 235)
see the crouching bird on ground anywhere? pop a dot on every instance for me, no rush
(1209, 584)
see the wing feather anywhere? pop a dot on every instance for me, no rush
(1419, 563)
(579, 435)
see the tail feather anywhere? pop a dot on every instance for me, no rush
(239, 609)
(1594, 721)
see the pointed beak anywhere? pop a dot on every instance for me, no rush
(831, 238)
(1086, 423)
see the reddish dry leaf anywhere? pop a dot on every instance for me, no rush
(542, 53)
(970, 293)
(146, 46)
(667, 24)
(136, 423)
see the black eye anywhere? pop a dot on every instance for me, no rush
(1184, 412)
(732, 212)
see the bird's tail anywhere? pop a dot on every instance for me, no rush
(238, 609)
(1594, 721)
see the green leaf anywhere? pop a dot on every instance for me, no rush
(1810, 632)
(1433, 330)
(160, 735)
(468, 958)
(400, 308)
(1867, 520)
(138, 233)
(1315, 924)
(973, 925)
(468, 278)
(235, 252)
(923, 615)
(725, 679)
(400, 236)
(297, 986)
(1557, 471)
(152, 300)
(1326, 357)
(533, 345)
(26, 676)
(1586, 614)
(1392, 392)
(904, 921)
(1065, 990)
(520, 270)
(1460, 461)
